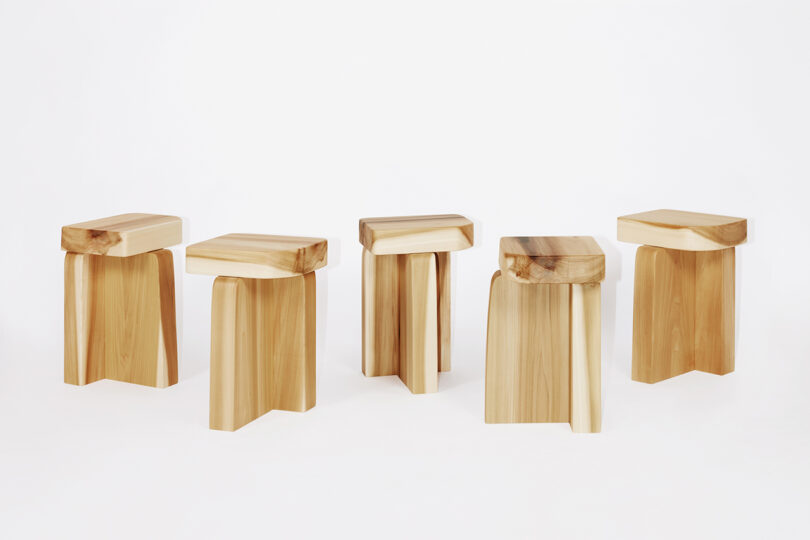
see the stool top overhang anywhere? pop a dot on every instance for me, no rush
(260, 256)
(552, 259)
(123, 235)
(416, 234)
(688, 231)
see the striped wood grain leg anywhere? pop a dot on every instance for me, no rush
(234, 399)
(84, 318)
(286, 327)
(444, 316)
(139, 318)
(714, 311)
(586, 358)
(663, 314)
(380, 314)
(527, 372)
(418, 323)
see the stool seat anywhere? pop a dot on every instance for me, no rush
(123, 235)
(259, 256)
(416, 234)
(120, 321)
(552, 259)
(687, 231)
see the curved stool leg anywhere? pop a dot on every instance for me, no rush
(586, 358)
(527, 377)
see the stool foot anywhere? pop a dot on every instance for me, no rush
(527, 378)
(418, 323)
(586, 358)
(120, 319)
(262, 348)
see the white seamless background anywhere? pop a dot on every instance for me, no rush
(531, 118)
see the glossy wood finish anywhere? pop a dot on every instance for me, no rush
(120, 319)
(124, 235)
(259, 256)
(262, 348)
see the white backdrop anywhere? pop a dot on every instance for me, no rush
(534, 118)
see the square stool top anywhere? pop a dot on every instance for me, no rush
(260, 256)
(416, 234)
(688, 231)
(552, 259)
(123, 235)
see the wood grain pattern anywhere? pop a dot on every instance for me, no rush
(416, 234)
(262, 348)
(683, 313)
(443, 287)
(663, 314)
(675, 229)
(384, 281)
(714, 311)
(259, 256)
(527, 371)
(120, 319)
(586, 358)
(380, 314)
(552, 259)
(124, 235)
(418, 320)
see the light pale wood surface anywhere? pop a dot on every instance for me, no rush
(527, 371)
(586, 358)
(120, 319)
(262, 348)
(380, 314)
(416, 234)
(444, 284)
(714, 311)
(386, 286)
(256, 256)
(690, 231)
(683, 313)
(123, 235)
(552, 259)
(418, 320)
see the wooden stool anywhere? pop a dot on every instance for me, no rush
(683, 305)
(262, 323)
(119, 300)
(544, 332)
(406, 295)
